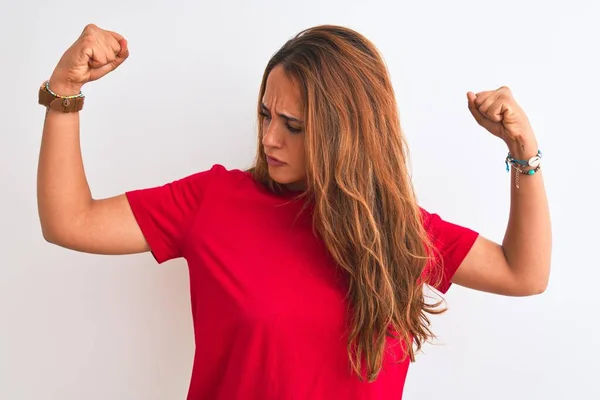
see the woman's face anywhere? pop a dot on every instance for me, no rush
(283, 130)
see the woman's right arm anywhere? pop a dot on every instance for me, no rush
(69, 216)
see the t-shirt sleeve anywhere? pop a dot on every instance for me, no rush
(165, 213)
(451, 244)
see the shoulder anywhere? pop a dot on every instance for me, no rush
(451, 243)
(219, 175)
(195, 187)
(433, 222)
(444, 233)
(429, 220)
(230, 178)
(221, 182)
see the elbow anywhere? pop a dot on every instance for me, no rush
(53, 229)
(536, 287)
(49, 235)
(47, 225)
(52, 232)
(62, 233)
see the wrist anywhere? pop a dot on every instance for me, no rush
(522, 148)
(63, 87)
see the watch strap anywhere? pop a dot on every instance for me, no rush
(59, 103)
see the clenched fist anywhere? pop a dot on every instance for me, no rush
(498, 112)
(95, 53)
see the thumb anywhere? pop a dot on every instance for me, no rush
(124, 53)
(488, 124)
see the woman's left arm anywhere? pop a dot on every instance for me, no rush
(521, 265)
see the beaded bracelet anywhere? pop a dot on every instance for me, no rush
(534, 162)
(59, 96)
(520, 171)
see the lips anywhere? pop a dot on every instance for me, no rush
(274, 161)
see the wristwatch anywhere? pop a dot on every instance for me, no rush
(66, 104)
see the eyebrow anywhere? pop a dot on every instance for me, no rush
(288, 117)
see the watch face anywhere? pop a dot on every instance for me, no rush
(534, 161)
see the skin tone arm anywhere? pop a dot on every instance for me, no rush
(521, 265)
(69, 216)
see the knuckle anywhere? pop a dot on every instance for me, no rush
(90, 28)
(88, 40)
(87, 44)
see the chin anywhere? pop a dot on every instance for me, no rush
(283, 177)
(280, 176)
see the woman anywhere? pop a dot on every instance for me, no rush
(307, 270)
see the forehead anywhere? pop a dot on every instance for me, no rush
(282, 92)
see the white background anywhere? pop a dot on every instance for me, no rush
(76, 326)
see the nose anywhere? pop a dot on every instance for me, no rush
(272, 135)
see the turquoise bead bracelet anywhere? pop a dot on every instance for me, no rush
(534, 162)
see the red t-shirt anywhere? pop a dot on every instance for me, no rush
(270, 318)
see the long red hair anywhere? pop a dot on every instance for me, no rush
(365, 209)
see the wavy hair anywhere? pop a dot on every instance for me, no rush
(365, 209)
